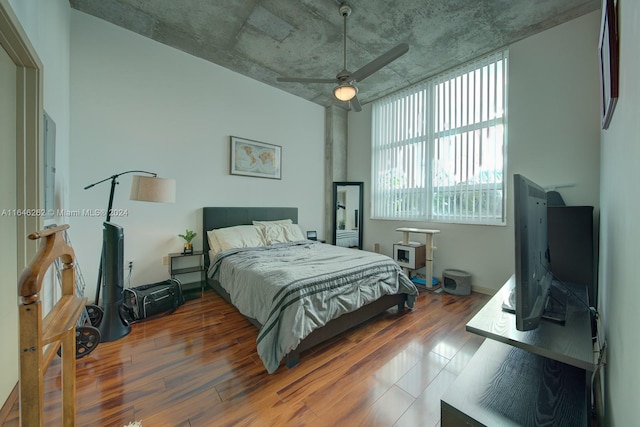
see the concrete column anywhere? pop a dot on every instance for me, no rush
(335, 160)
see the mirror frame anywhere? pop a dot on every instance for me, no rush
(334, 205)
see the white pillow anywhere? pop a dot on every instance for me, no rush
(213, 242)
(294, 233)
(266, 223)
(282, 233)
(239, 236)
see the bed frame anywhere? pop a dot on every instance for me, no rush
(219, 217)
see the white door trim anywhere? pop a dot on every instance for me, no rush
(14, 40)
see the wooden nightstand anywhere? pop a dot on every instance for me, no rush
(189, 270)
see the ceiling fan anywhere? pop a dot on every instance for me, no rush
(346, 89)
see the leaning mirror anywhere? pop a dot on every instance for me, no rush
(347, 214)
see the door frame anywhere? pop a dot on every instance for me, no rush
(29, 110)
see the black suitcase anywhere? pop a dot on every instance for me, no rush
(142, 302)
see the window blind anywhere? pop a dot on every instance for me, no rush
(438, 148)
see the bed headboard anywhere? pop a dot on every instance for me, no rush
(220, 217)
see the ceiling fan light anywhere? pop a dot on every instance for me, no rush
(345, 92)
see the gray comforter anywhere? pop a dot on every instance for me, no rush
(294, 288)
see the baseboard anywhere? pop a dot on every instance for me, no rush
(11, 400)
(483, 290)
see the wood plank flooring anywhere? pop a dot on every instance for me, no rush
(199, 367)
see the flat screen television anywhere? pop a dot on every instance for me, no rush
(534, 296)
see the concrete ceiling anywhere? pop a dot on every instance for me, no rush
(266, 39)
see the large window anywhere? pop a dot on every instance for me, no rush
(439, 148)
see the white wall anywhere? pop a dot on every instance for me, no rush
(137, 104)
(553, 140)
(46, 23)
(620, 234)
(8, 224)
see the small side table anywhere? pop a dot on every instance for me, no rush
(428, 250)
(186, 268)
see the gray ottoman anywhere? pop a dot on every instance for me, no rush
(456, 282)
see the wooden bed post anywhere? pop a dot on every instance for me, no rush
(40, 338)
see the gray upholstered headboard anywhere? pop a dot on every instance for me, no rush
(220, 217)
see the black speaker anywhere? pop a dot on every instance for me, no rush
(572, 248)
(112, 326)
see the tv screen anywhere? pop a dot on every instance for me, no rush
(532, 270)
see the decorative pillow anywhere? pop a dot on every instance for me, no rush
(239, 236)
(282, 233)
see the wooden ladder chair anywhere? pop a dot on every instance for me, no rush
(40, 338)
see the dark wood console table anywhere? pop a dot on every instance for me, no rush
(538, 377)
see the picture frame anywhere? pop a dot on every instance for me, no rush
(609, 61)
(255, 158)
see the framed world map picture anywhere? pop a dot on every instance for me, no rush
(254, 158)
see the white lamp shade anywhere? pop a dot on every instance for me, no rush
(345, 92)
(153, 189)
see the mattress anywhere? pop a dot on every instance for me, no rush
(347, 238)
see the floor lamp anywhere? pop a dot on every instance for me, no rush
(144, 188)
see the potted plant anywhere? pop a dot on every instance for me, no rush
(188, 236)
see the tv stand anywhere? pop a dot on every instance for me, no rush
(555, 308)
(525, 377)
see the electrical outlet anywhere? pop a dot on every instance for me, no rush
(165, 260)
(130, 264)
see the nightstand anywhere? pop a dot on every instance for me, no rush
(188, 269)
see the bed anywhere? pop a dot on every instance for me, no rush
(273, 301)
(347, 238)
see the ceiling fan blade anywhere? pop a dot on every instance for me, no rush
(305, 80)
(373, 66)
(355, 104)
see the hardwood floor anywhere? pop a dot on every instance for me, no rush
(199, 367)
